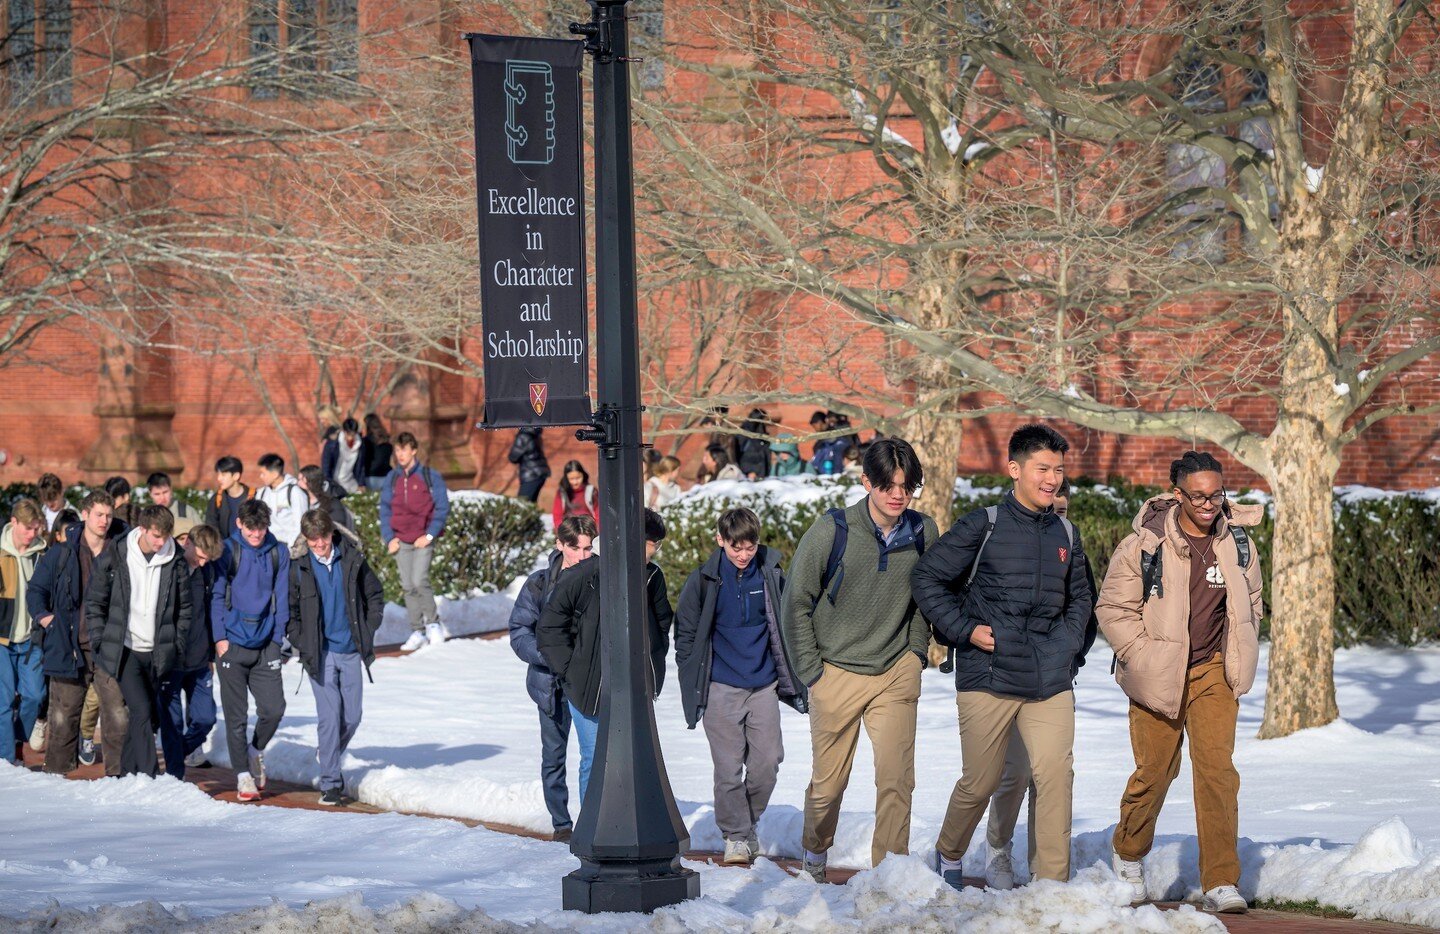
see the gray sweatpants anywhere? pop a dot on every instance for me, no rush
(337, 712)
(743, 728)
(414, 566)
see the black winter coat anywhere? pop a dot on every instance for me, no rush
(695, 625)
(568, 633)
(55, 589)
(200, 647)
(1030, 588)
(527, 452)
(107, 611)
(364, 604)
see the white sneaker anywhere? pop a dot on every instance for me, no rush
(737, 853)
(753, 843)
(416, 640)
(37, 736)
(1133, 875)
(436, 633)
(1000, 874)
(1224, 899)
(813, 865)
(245, 789)
(257, 767)
(196, 759)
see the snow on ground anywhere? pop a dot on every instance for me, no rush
(162, 856)
(1348, 814)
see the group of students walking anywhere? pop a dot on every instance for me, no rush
(844, 633)
(144, 612)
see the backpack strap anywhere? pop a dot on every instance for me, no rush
(274, 577)
(991, 514)
(1242, 545)
(1069, 531)
(834, 565)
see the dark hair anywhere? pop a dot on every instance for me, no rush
(818, 416)
(351, 426)
(1029, 439)
(49, 486)
(273, 462)
(719, 455)
(884, 457)
(157, 481)
(406, 440)
(375, 429)
(565, 489)
(1064, 488)
(654, 526)
(1192, 462)
(157, 519)
(117, 487)
(572, 527)
(97, 498)
(738, 525)
(66, 518)
(228, 464)
(253, 514)
(330, 433)
(317, 524)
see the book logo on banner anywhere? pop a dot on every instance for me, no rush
(531, 205)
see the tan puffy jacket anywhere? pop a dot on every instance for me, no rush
(1152, 639)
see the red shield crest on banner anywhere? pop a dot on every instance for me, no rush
(539, 392)
(1064, 553)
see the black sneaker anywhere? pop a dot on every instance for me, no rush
(87, 752)
(562, 834)
(332, 798)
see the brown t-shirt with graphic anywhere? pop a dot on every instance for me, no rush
(1207, 601)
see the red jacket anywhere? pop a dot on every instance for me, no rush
(584, 502)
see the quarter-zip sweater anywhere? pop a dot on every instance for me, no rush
(741, 642)
(1030, 588)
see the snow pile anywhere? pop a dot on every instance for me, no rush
(478, 612)
(805, 488)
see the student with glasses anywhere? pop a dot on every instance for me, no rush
(1181, 607)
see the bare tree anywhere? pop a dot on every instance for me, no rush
(1147, 220)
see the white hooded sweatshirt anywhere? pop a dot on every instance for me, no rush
(144, 590)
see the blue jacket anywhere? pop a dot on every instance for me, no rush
(833, 451)
(1030, 588)
(438, 493)
(55, 588)
(330, 458)
(539, 680)
(250, 585)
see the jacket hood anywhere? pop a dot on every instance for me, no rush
(1156, 515)
(785, 444)
(164, 556)
(7, 545)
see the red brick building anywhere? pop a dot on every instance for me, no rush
(87, 407)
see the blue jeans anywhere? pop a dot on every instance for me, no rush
(585, 730)
(20, 673)
(187, 715)
(554, 738)
(337, 712)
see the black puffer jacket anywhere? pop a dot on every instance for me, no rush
(695, 625)
(1030, 588)
(527, 452)
(107, 610)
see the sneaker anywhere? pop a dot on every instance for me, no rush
(813, 865)
(416, 640)
(952, 871)
(436, 633)
(37, 736)
(245, 789)
(87, 752)
(332, 797)
(1000, 874)
(737, 853)
(753, 843)
(1225, 900)
(562, 834)
(257, 767)
(1133, 875)
(197, 760)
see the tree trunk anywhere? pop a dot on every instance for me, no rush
(1300, 692)
(936, 438)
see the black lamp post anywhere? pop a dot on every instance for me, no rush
(629, 837)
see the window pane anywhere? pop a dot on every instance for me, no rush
(300, 38)
(342, 26)
(264, 47)
(647, 37)
(57, 57)
(21, 50)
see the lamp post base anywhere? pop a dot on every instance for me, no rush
(628, 887)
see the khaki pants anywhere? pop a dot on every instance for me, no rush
(1048, 730)
(90, 713)
(839, 702)
(1015, 780)
(1208, 711)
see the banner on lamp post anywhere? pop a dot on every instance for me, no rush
(532, 230)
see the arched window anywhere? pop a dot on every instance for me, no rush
(647, 40)
(303, 46)
(1197, 87)
(36, 58)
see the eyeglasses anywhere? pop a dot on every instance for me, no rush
(1201, 499)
